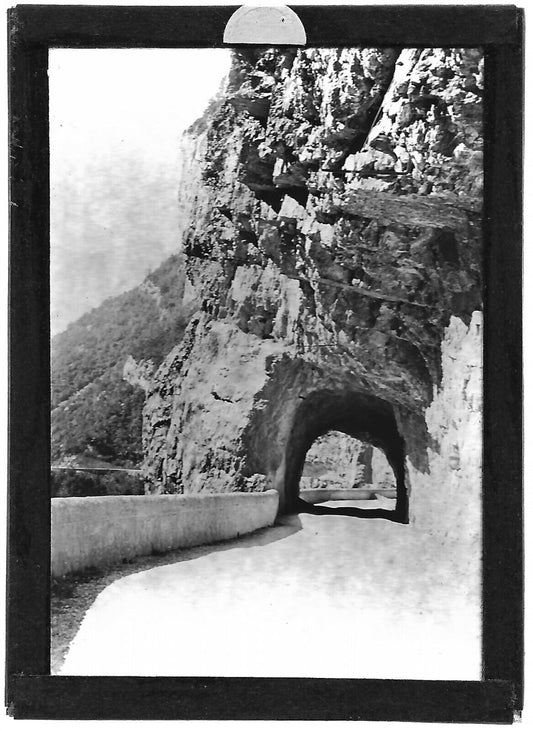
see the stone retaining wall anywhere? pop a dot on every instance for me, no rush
(323, 494)
(94, 531)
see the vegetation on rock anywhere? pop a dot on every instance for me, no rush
(96, 411)
(74, 483)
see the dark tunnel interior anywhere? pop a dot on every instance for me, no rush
(359, 415)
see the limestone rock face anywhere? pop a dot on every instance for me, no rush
(338, 461)
(334, 248)
(190, 191)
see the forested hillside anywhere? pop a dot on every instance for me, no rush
(96, 412)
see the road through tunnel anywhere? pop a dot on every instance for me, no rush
(358, 415)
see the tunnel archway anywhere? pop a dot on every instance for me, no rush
(360, 415)
(340, 468)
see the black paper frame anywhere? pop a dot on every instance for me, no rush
(31, 692)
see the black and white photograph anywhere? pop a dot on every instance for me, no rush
(266, 325)
(296, 383)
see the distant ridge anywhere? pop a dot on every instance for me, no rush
(96, 413)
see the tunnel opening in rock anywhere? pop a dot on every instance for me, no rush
(340, 471)
(361, 420)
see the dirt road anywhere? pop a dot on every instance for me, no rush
(313, 596)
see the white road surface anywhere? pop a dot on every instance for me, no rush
(313, 596)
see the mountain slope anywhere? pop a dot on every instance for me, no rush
(96, 412)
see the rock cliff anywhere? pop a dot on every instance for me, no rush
(338, 461)
(334, 255)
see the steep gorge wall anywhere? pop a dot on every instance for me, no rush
(334, 253)
(337, 460)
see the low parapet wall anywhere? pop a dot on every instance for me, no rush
(94, 531)
(323, 494)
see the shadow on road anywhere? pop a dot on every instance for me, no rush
(73, 595)
(284, 526)
(301, 506)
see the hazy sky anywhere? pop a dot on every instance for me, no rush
(116, 116)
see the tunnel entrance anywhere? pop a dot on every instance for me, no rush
(328, 417)
(340, 471)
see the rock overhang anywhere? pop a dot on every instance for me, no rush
(339, 230)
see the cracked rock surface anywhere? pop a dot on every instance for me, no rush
(333, 253)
